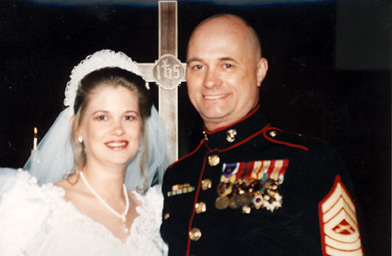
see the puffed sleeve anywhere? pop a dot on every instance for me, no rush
(22, 211)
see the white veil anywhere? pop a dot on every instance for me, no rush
(53, 159)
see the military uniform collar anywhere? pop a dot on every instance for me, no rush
(237, 132)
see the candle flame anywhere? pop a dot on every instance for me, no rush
(35, 130)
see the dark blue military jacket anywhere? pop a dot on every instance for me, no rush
(252, 189)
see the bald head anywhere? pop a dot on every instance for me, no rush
(224, 70)
(234, 23)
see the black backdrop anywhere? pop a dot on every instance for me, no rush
(329, 77)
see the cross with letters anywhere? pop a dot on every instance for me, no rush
(168, 72)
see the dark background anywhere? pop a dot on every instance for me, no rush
(329, 76)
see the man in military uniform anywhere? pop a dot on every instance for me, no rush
(250, 188)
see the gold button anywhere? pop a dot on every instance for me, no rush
(195, 234)
(273, 134)
(206, 184)
(167, 215)
(213, 160)
(200, 207)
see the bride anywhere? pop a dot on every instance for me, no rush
(87, 191)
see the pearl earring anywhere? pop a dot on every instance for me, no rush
(80, 139)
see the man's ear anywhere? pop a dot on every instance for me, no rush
(262, 68)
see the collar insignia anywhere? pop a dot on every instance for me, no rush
(231, 135)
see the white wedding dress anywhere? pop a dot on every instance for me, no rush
(36, 220)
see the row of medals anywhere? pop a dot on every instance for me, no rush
(246, 193)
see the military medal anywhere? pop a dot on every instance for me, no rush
(229, 169)
(222, 203)
(272, 203)
(258, 200)
(238, 201)
(251, 184)
(246, 209)
(224, 188)
(234, 202)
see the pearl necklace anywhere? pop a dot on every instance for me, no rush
(119, 215)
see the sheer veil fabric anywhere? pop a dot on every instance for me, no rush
(53, 159)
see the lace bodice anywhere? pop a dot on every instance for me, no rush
(36, 220)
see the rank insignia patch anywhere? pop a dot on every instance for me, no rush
(180, 189)
(338, 223)
(250, 185)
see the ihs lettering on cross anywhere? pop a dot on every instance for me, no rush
(168, 72)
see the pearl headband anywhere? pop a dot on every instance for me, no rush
(98, 60)
(54, 157)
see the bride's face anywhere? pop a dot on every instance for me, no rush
(111, 126)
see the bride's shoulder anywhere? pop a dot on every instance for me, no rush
(20, 184)
(11, 179)
(24, 206)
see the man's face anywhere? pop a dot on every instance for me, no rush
(224, 72)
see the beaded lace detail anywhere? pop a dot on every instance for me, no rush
(98, 60)
(53, 226)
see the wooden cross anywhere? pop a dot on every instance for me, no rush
(168, 72)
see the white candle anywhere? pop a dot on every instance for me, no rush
(35, 139)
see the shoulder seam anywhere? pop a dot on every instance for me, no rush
(283, 142)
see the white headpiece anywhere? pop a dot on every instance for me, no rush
(53, 158)
(101, 59)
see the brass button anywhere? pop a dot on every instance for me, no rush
(167, 215)
(231, 135)
(195, 234)
(213, 160)
(206, 184)
(200, 207)
(273, 134)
